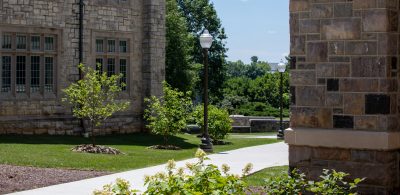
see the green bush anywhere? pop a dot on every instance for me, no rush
(259, 109)
(200, 179)
(121, 187)
(332, 182)
(219, 123)
(167, 115)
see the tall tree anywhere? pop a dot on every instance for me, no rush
(179, 49)
(201, 14)
(254, 59)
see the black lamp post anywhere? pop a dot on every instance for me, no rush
(281, 69)
(206, 41)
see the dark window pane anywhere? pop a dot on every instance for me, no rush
(6, 74)
(21, 42)
(111, 45)
(49, 43)
(35, 42)
(20, 74)
(35, 74)
(99, 65)
(99, 45)
(48, 74)
(110, 66)
(122, 69)
(6, 43)
(123, 47)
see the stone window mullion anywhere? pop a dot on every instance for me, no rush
(28, 74)
(42, 74)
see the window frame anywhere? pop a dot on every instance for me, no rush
(29, 33)
(117, 55)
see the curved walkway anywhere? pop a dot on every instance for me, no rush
(261, 157)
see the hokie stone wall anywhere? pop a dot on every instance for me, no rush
(344, 76)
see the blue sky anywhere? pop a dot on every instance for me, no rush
(255, 27)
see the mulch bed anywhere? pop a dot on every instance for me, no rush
(17, 178)
(164, 147)
(89, 148)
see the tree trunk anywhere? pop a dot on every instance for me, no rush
(93, 138)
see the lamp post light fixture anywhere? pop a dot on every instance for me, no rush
(281, 69)
(206, 41)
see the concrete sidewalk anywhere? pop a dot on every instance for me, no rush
(261, 157)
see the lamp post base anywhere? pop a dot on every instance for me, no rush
(206, 145)
(281, 134)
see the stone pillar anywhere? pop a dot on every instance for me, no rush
(344, 84)
(154, 42)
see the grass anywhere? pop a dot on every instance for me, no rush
(257, 179)
(54, 151)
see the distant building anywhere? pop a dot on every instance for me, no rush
(39, 54)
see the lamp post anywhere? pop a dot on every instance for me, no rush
(281, 69)
(206, 41)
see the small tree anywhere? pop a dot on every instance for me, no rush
(167, 115)
(219, 123)
(94, 97)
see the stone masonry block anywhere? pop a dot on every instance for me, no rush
(317, 52)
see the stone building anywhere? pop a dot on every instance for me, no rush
(344, 81)
(40, 50)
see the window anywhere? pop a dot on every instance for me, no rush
(35, 43)
(110, 66)
(6, 74)
(123, 47)
(20, 76)
(99, 45)
(113, 57)
(6, 42)
(21, 42)
(111, 46)
(49, 43)
(122, 70)
(35, 74)
(48, 77)
(28, 63)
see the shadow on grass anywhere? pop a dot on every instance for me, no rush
(136, 139)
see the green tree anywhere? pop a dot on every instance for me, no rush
(219, 123)
(167, 115)
(94, 97)
(179, 49)
(254, 59)
(200, 14)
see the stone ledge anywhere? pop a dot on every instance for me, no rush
(339, 138)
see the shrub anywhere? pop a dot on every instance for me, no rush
(219, 123)
(200, 179)
(294, 183)
(121, 187)
(167, 115)
(332, 182)
(259, 109)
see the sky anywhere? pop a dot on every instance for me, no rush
(255, 28)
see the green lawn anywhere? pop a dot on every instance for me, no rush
(54, 151)
(257, 179)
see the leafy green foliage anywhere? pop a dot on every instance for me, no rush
(121, 187)
(219, 123)
(332, 182)
(202, 179)
(180, 44)
(295, 183)
(95, 96)
(167, 115)
(259, 96)
(260, 109)
(201, 14)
